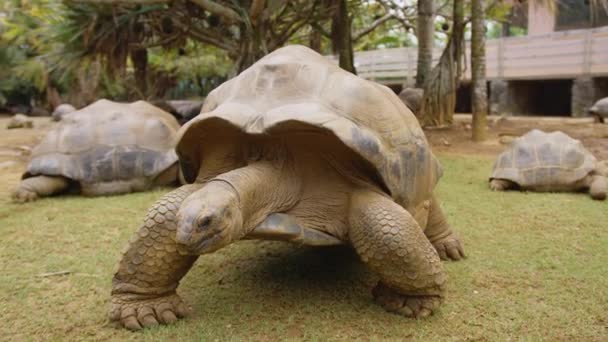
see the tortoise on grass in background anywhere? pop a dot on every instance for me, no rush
(61, 110)
(296, 149)
(103, 149)
(600, 110)
(540, 161)
(20, 121)
(412, 97)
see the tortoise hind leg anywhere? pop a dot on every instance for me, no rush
(439, 232)
(391, 243)
(32, 188)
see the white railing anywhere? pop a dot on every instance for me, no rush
(565, 54)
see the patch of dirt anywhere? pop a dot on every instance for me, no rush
(15, 148)
(502, 130)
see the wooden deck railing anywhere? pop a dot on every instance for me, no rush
(566, 54)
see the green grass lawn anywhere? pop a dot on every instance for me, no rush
(536, 269)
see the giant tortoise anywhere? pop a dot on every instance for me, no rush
(412, 97)
(296, 149)
(61, 110)
(540, 161)
(102, 149)
(600, 110)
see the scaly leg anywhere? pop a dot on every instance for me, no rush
(500, 184)
(31, 188)
(439, 232)
(143, 288)
(391, 243)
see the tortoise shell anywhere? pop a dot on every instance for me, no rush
(107, 141)
(62, 110)
(539, 159)
(296, 84)
(600, 108)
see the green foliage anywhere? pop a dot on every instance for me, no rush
(196, 68)
(23, 71)
(388, 35)
(107, 31)
(83, 50)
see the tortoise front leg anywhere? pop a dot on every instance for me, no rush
(598, 187)
(143, 288)
(501, 184)
(391, 243)
(439, 232)
(32, 188)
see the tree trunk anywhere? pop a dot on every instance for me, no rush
(252, 46)
(479, 93)
(53, 99)
(458, 35)
(426, 31)
(139, 58)
(439, 100)
(506, 29)
(341, 37)
(315, 40)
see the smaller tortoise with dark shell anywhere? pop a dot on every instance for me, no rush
(540, 161)
(296, 149)
(103, 149)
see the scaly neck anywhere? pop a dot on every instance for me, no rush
(263, 187)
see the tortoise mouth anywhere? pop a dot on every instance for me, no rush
(207, 243)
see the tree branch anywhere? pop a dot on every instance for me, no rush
(225, 12)
(372, 27)
(123, 2)
(257, 6)
(212, 7)
(218, 41)
(289, 31)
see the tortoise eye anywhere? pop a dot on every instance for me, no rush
(204, 222)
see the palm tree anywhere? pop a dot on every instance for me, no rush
(479, 94)
(112, 34)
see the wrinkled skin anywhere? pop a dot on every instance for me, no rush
(202, 218)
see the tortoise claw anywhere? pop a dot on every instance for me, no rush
(449, 248)
(414, 306)
(22, 195)
(135, 313)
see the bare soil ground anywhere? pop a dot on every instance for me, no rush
(15, 148)
(457, 139)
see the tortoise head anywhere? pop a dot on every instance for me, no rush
(209, 218)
